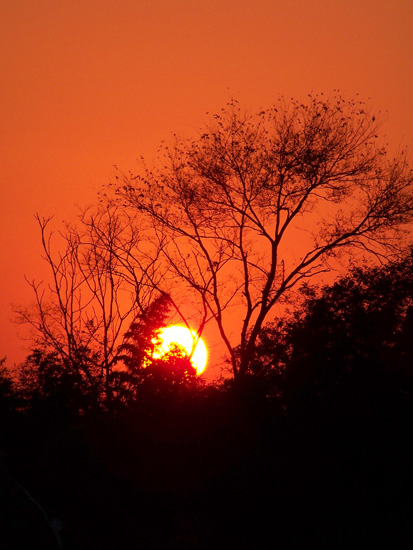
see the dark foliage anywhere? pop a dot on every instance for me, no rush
(7, 390)
(311, 450)
(140, 340)
(358, 329)
(143, 376)
(228, 204)
(47, 382)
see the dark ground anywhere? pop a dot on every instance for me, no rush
(217, 469)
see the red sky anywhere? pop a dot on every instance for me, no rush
(88, 84)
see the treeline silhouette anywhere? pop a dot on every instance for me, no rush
(312, 449)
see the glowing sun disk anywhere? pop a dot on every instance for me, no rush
(185, 338)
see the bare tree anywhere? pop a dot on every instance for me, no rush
(102, 274)
(231, 205)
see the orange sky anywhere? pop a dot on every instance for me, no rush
(87, 84)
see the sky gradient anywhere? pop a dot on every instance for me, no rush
(89, 84)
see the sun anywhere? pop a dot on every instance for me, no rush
(185, 338)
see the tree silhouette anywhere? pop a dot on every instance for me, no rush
(260, 203)
(356, 331)
(54, 388)
(145, 374)
(101, 275)
(173, 463)
(9, 399)
(141, 338)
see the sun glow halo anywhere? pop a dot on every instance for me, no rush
(185, 338)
